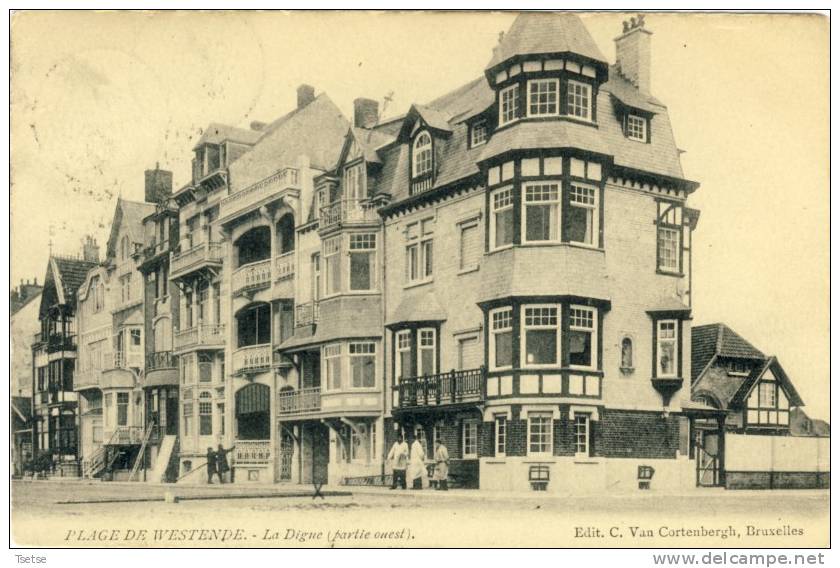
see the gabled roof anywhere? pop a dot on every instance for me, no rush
(718, 339)
(370, 140)
(63, 278)
(316, 131)
(129, 214)
(778, 372)
(217, 133)
(534, 33)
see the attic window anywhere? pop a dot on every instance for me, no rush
(478, 133)
(737, 368)
(636, 127)
(421, 155)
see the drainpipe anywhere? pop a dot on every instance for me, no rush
(385, 386)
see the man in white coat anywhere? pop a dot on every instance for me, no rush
(398, 456)
(417, 466)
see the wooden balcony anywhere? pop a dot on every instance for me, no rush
(196, 257)
(251, 277)
(252, 452)
(454, 387)
(61, 342)
(293, 403)
(207, 335)
(307, 314)
(347, 211)
(252, 359)
(255, 194)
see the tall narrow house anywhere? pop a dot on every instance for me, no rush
(537, 276)
(55, 409)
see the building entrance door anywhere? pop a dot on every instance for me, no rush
(320, 453)
(287, 451)
(708, 458)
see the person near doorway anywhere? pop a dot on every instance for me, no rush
(211, 465)
(417, 467)
(222, 462)
(398, 456)
(441, 466)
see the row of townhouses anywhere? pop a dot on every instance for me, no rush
(507, 268)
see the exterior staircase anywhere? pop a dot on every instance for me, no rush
(165, 453)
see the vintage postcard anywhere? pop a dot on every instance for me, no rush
(419, 279)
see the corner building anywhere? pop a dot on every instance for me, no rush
(537, 284)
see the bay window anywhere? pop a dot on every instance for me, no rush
(579, 100)
(542, 211)
(501, 221)
(666, 348)
(501, 338)
(332, 261)
(363, 364)
(508, 105)
(543, 97)
(332, 366)
(539, 433)
(426, 355)
(362, 261)
(583, 214)
(541, 334)
(582, 337)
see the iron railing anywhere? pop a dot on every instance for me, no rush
(347, 211)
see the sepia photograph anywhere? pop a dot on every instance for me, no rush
(419, 279)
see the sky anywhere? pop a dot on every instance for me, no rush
(97, 98)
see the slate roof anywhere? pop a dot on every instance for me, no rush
(710, 340)
(316, 130)
(217, 133)
(71, 275)
(370, 140)
(546, 32)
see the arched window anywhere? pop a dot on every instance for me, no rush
(286, 233)
(254, 245)
(421, 155)
(627, 353)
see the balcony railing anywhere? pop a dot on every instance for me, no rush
(127, 435)
(299, 402)
(205, 334)
(122, 360)
(161, 360)
(252, 452)
(155, 247)
(195, 257)
(285, 178)
(347, 211)
(307, 314)
(252, 358)
(61, 342)
(284, 266)
(252, 276)
(453, 387)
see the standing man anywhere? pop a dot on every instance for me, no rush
(441, 466)
(222, 462)
(398, 456)
(418, 463)
(211, 465)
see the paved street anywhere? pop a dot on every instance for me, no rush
(85, 514)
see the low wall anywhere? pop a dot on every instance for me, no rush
(777, 462)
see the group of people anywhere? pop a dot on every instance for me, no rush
(413, 462)
(217, 463)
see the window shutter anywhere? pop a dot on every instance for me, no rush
(470, 246)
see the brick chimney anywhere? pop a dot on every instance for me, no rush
(90, 250)
(632, 53)
(305, 95)
(158, 185)
(365, 113)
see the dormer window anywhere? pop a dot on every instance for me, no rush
(421, 155)
(508, 105)
(543, 97)
(478, 133)
(579, 100)
(636, 127)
